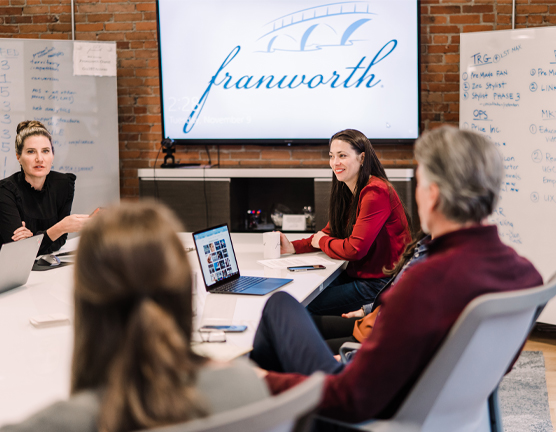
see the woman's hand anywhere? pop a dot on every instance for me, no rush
(354, 314)
(316, 238)
(285, 245)
(21, 233)
(74, 223)
(70, 224)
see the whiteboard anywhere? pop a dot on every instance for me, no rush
(508, 92)
(37, 82)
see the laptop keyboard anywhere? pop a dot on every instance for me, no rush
(240, 284)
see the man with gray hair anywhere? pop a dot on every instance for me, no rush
(458, 182)
(467, 171)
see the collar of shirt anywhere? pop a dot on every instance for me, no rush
(27, 185)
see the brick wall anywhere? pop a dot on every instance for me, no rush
(132, 24)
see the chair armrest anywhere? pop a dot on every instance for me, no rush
(348, 347)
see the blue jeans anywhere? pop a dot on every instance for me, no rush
(346, 294)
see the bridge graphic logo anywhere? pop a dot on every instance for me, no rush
(334, 25)
(316, 28)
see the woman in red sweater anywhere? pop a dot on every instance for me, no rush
(368, 226)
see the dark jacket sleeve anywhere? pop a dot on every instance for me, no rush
(67, 190)
(10, 219)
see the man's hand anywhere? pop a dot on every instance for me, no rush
(354, 314)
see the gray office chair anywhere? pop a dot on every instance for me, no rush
(289, 411)
(452, 393)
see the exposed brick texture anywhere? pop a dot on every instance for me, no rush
(132, 24)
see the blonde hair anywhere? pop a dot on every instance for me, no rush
(133, 319)
(29, 128)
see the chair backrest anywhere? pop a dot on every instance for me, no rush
(286, 412)
(452, 392)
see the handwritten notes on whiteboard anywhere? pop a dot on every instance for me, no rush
(37, 83)
(10, 68)
(508, 93)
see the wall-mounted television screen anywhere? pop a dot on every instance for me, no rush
(288, 71)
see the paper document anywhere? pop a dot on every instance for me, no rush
(97, 59)
(283, 263)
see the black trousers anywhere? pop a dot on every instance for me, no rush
(335, 330)
(287, 340)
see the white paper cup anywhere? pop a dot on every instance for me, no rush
(271, 243)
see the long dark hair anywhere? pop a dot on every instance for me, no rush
(133, 319)
(342, 201)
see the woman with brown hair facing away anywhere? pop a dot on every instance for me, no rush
(37, 200)
(133, 366)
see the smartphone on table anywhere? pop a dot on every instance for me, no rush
(225, 328)
(306, 268)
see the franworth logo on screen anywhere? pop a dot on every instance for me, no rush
(308, 30)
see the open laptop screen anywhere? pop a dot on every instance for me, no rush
(216, 254)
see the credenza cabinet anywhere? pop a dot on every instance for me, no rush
(207, 197)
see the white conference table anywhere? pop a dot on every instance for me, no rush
(35, 362)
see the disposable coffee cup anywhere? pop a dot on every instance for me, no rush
(271, 243)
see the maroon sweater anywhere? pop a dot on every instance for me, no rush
(414, 320)
(379, 234)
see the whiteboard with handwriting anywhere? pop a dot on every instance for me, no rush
(508, 92)
(37, 82)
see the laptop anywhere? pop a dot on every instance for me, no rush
(219, 265)
(16, 261)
